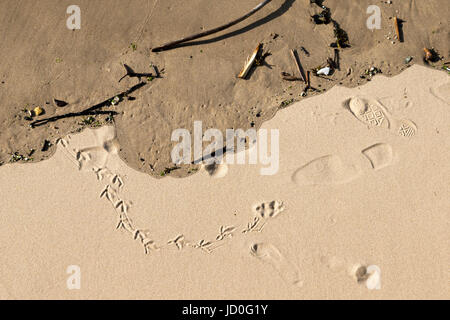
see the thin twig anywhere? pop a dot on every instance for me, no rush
(173, 44)
(286, 76)
(297, 62)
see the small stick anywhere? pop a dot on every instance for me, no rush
(286, 76)
(305, 51)
(397, 28)
(250, 61)
(155, 68)
(297, 62)
(173, 44)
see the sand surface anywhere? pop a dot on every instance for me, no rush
(43, 60)
(353, 190)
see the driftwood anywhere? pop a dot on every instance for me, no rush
(297, 62)
(173, 44)
(397, 22)
(250, 61)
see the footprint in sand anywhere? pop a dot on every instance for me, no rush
(272, 256)
(380, 155)
(97, 156)
(442, 92)
(331, 169)
(326, 170)
(372, 113)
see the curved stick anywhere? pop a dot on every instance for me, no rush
(171, 45)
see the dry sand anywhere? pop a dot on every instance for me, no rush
(350, 192)
(42, 60)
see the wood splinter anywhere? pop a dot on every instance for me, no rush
(397, 28)
(299, 66)
(250, 62)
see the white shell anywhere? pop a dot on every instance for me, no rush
(325, 71)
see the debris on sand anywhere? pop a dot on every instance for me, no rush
(430, 55)
(372, 71)
(250, 62)
(60, 103)
(306, 52)
(115, 100)
(288, 77)
(324, 71)
(46, 145)
(298, 64)
(397, 23)
(286, 103)
(15, 157)
(167, 171)
(36, 112)
(324, 17)
(342, 40)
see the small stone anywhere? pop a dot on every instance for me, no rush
(408, 59)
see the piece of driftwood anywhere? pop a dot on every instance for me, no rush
(173, 44)
(249, 63)
(299, 65)
(397, 28)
